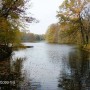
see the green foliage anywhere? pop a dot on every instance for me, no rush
(30, 37)
(71, 23)
(11, 15)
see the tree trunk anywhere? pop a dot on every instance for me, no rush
(82, 30)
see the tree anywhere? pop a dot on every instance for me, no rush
(85, 17)
(12, 12)
(70, 11)
(51, 34)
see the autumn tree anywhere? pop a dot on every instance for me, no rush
(69, 12)
(12, 14)
(85, 18)
(52, 33)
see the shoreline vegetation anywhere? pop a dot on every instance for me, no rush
(6, 51)
(13, 19)
(73, 26)
(86, 48)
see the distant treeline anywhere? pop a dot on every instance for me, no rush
(62, 34)
(30, 37)
(73, 25)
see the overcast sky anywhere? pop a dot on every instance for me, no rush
(45, 12)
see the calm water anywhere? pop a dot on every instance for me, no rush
(46, 67)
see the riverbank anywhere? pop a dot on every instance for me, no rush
(6, 51)
(86, 48)
(21, 46)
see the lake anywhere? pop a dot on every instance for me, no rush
(46, 67)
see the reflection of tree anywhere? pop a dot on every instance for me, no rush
(79, 76)
(10, 74)
(16, 71)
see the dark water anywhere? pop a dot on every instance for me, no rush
(46, 67)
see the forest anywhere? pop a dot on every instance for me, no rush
(61, 62)
(73, 26)
(31, 37)
(13, 19)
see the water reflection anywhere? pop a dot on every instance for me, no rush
(78, 77)
(46, 67)
(10, 74)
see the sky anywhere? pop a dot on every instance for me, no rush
(45, 12)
